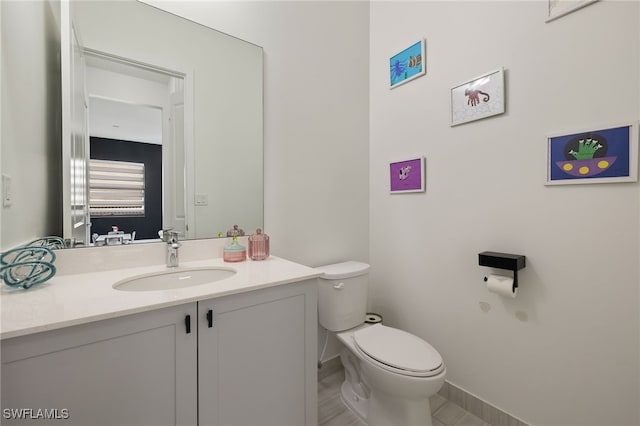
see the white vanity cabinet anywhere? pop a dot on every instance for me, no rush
(133, 370)
(243, 359)
(257, 357)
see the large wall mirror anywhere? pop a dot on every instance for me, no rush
(162, 126)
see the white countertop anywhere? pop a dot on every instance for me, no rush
(80, 298)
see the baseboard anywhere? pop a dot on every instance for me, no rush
(478, 407)
(329, 367)
(474, 405)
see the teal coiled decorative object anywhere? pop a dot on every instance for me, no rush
(31, 264)
(51, 242)
(27, 274)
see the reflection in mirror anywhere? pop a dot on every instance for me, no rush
(173, 128)
(127, 134)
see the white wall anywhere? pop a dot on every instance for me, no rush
(566, 350)
(316, 119)
(31, 120)
(1, 120)
(315, 122)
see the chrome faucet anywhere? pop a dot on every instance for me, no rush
(171, 238)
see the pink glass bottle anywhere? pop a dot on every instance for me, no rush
(258, 245)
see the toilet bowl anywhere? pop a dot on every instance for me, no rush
(398, 371)
(389, 373)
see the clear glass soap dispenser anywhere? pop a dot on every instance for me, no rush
(258, 245)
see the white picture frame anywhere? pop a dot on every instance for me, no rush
(559, 8)
(478, 98)
(408, 64)
(407, 175)
(598, 154)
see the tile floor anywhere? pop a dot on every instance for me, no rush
(332, 411)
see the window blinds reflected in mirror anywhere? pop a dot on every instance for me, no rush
(116, 188)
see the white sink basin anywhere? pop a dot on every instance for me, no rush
(178, 278)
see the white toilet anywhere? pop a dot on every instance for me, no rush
(389, 373)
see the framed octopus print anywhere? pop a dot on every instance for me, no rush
(407, 65)
(478, 98)
(595, 155)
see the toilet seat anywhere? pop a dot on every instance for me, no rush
(398, 351)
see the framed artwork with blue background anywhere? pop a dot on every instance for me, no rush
(599, 155)
(408, 64)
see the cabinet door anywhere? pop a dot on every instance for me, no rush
(257, 361)
(134, 370)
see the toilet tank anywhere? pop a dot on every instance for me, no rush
(342, 295)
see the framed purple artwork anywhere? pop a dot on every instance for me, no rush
(407, 175)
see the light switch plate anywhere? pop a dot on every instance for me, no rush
(202, 200)
(6, 191)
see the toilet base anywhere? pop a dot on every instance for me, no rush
(356, 404)
(402, 412)
(387, 410)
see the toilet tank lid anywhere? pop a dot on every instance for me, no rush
(338, 271)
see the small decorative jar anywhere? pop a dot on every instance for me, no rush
(258, 245)
(234, 252)
(236, 231)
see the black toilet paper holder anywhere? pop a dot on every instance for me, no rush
(511, 262)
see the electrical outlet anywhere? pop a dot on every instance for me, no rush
(6, 191)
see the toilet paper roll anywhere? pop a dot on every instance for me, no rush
(501, 285)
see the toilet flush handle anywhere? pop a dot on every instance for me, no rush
(338, 286)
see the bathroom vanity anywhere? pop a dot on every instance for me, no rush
(240, 351)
